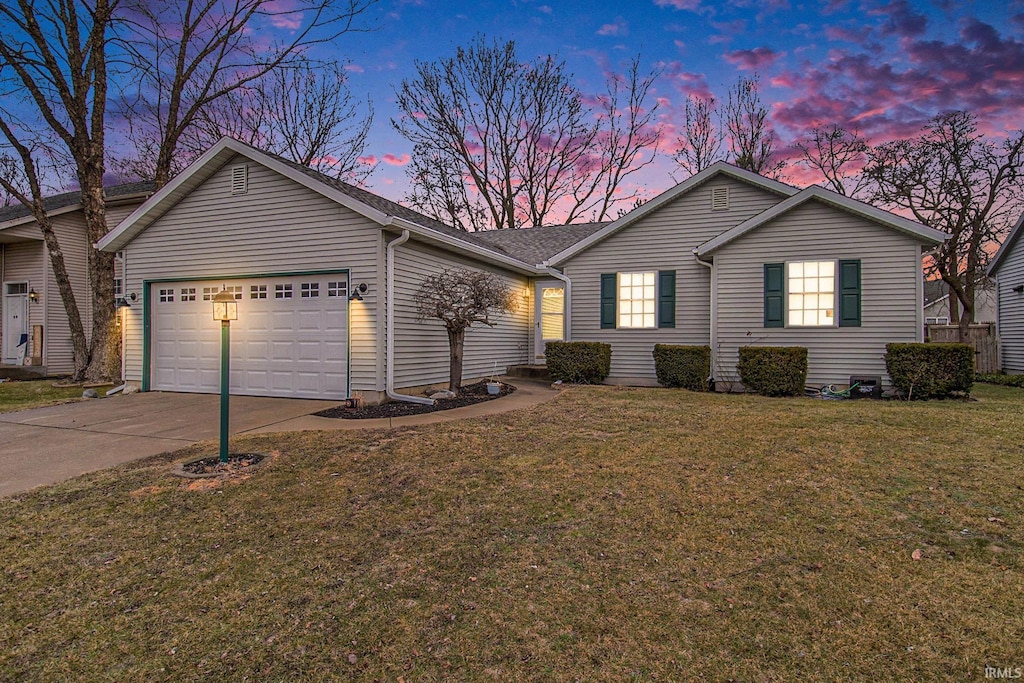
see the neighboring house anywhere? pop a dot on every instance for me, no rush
(32, 309)
(936, 302)
(717, 260)
(1007, 269)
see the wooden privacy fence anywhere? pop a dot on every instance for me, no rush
(982, 336)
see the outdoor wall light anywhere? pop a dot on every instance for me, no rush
(1018, 289)
(225, 309)
(357, 292)
(122, 302)
(33, 296)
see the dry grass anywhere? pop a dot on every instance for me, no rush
(36, 393)
(611, 534)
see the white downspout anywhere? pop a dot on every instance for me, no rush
(712, 295)
(389, 328)
(568, 299)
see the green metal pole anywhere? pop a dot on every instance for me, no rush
(225, 386)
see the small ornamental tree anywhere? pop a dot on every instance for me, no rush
(460, 299)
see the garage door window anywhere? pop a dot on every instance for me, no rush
(188, 293)
(283, 291)
(310, 290)
(258, 292)
(337, 289)
(166, 296)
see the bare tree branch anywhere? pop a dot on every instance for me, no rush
(701, 143)
(839, 155)
(751, 139)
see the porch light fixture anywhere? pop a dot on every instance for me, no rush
(121, 302)
(225, 309)
(33, 296)
(357, 292)
(1018, 289)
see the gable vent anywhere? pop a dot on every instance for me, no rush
(719, 198)
(240, 179)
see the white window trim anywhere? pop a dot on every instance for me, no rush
(618, 300)
(835, 295)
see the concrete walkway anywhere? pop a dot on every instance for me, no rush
(48, 445)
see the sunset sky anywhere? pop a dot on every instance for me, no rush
(883, 68)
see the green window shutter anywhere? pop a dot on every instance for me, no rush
(849, 293)
(609, 284)
(666, 298)
(774, 294)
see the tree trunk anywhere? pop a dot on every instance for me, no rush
(79, 344)
(456, 342)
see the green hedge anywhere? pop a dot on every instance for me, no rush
(1005, 380)
(578, 362)
(924, 371)
(774, 370)
(683, 366)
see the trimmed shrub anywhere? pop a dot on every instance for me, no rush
(578, 362)
(683, 366)
(1005, 380)
(930, 370)
(774, 370)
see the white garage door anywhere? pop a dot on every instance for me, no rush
(290, 338)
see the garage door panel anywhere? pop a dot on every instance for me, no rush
(279, 347)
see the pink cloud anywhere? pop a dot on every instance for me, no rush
(283, 14)
(368, 160)
(752, 60)
(545, 9)
(354, 68)
(394, 160)
(691, 5)
(727, 30)
(618, 28)
(680, 45)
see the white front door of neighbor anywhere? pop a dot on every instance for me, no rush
(290, 339)
(549, 315)
(15, 320)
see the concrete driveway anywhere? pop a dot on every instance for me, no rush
(51, 444)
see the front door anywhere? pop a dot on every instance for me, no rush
(549, 315)
(15, 320)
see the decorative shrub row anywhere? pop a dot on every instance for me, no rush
(774, 370)
(924, 371)
(683, 366)
(578, 362)
(1005, 380)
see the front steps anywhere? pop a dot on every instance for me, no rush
(537, 372)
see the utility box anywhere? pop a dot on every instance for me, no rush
(868, 386)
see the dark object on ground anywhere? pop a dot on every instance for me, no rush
(211, 466)
(470, 395)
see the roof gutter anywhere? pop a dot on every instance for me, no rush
(389, 328)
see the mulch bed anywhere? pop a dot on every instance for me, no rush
(470, 395)
(211, 466)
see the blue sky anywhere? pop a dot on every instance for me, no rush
(881, 67)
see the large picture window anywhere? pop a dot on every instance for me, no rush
(812, 293)
(636, 300)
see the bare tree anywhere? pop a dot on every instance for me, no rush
(187, 54)
(53, 62)
(439, 190)
(461, 299)
(951, 178)
(304, 112)
(701, 143)
(839, 155)
(521, 135)
(751, 139)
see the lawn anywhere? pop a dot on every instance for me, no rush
(35, 393)
(611, 534)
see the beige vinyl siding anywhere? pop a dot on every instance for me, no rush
(421, 347)
(1011, 310)
(890, 292)
(278, 226)
(663, 240)
(23, 263)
